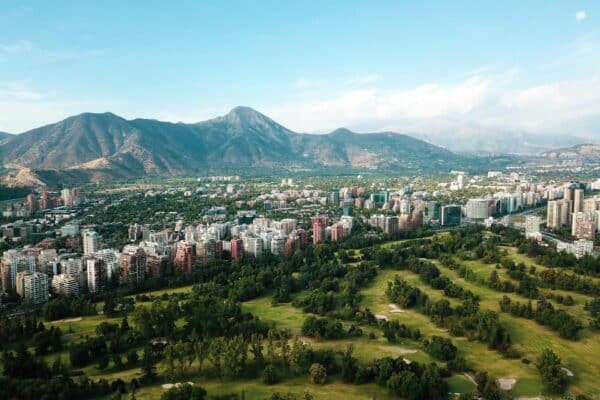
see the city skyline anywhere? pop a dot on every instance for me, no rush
(435, 68)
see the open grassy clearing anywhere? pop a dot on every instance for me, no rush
(529, 337)
(365, 349)
(254, 389)
(477, 354)
(482, 271)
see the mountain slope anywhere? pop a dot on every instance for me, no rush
(106, 145)
(590, 152)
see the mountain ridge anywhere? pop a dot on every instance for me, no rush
(109, 146)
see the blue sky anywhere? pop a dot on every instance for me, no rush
(443, 67)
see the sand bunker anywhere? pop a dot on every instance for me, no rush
(506, 383)
(306, 339)
(60, 321)
(568, 371)
(394, 308)
(168, 386)
(381, 317)
(406, 361)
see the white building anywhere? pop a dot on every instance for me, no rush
(578, 248)
(532, 226)
(35, 288)
(477, 209)
(277, 245)
(96, 274)
(65, 285)
(91, 242)
(14, 262)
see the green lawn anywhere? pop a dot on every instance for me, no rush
(529, 337)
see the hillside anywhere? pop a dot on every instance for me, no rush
(107, 146)
(584, 152)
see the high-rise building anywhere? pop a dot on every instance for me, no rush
(319, 223)
(185, 257)
(65, 285)
(532, 226)
(32, 203)
(554, 213)
(390, 224)
(451, 215)
(578, 201)
(337, 232)
(591, 204)
(432, 211)
(111, 259)
(278, 245)
(584, 225)
(253, 246)
(477, 208)
(91, 242)
(157, 265)
(237, 248)
(207, 250)
(35, 288)
(14, 262)
(134, 232)
(132, 265)
(96, 274)
(66, 197)
(578, 248)
(334, 197)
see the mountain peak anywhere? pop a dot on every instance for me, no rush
(245, 114)
(342, 131)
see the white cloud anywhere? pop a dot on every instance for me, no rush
(363, 79)
(305, 83)
(18, 91)
(18, 46)
(482, 101)
(580, 15)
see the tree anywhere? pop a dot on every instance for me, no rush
(318, 374)
(553, 376)
(269, 375)
(349, 365)
(256, 348)
(215, 355)
(405, 384)
(234, 356)
(132, 358)
(184, 392)
(148, 365)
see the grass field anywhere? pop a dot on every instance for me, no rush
(528, 337)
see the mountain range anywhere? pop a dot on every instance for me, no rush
(105, 146)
